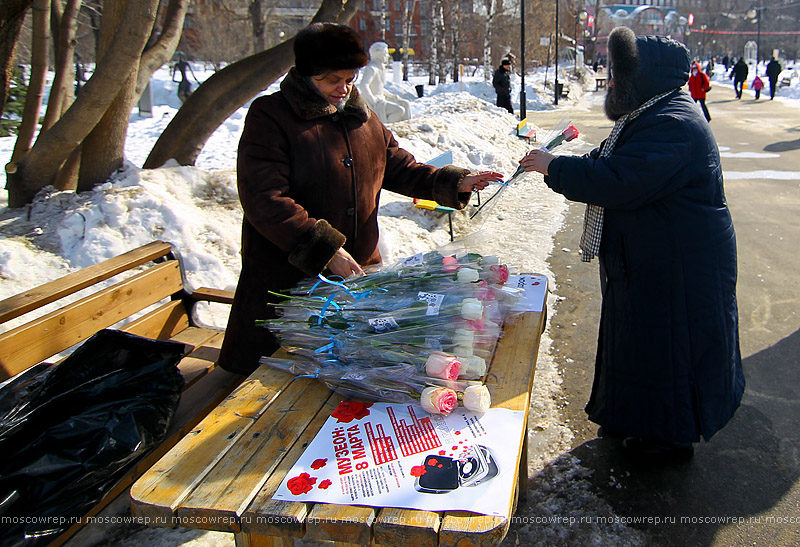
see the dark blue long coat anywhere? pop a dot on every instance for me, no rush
(668, 363)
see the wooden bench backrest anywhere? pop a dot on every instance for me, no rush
(52, 333)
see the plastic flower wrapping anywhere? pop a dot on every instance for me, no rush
(558, 135)
(420, 331)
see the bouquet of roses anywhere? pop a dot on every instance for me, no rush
(399, 332)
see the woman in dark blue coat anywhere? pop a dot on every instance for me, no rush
(668, 367)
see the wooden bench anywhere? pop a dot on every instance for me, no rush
(223, 476)
(526, 132)
(599, 83)
(149, 278)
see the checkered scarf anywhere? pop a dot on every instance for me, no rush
(593, 219)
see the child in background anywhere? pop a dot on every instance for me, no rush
(757, 85)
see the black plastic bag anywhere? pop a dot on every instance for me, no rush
(69, 433)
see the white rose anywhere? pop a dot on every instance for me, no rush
(471, 309)
(474, 367)
(464, 337)
(477, 398)
(467, 275)
(463, 352)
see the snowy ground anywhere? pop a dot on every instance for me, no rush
(197, 209)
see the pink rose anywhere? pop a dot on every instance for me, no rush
(450, 264)
(571, 133)
(438, 400)
(442, 365)
(501, 271)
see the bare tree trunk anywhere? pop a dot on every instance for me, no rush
(455, 41)
(257, 20)
(39, 167)
(438, 32)
(33, 100)
(161, 52)
(61, 94)
(434, 45)
(12, 16)
(488, 67)
(408, 14)
(227, 90)
(105, 145)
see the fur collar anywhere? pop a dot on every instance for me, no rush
(309, 104)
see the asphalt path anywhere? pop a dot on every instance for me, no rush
(742, 487)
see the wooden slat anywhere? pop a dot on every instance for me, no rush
(404, 527)
(268, 517)
(202, 359)
(159, 492)
(213, 295)
(245, 540)
(37, 297)
(236, 479)
(162, 323)
(48, 335)
(341, 523)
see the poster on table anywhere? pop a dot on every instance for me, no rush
(398, 455)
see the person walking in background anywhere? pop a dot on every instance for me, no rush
(739, 75)
(773, 71)
(312, 161)
(502, 85)
(710, 66)
(758, 85)
(699, 85)
(668, 369)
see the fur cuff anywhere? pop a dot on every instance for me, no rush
(316, 248)
(445, 187)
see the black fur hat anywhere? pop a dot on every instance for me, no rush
(642, 67)
(327, 47)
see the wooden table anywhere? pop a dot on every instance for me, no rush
(223, 474)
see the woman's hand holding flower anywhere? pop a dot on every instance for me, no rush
(537, 160)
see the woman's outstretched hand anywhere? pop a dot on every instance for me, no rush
(475, 182)
(537, 160)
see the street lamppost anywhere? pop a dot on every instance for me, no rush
(580, 17)
(555, 82)
(522, 110)
(756, 13)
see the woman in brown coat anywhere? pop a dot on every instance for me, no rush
(312, 162)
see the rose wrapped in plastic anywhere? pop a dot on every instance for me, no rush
(442, 365)
(438, 400)
(477, 398)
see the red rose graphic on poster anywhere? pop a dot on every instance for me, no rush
(325, 484)
(301, 484)
(319, 463)
(418, 471)
(347, 411)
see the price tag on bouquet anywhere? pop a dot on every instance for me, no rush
(434, 302)
(383, 324)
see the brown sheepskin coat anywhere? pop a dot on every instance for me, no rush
(309, 179)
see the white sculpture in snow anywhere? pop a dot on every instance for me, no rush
(371, 85)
